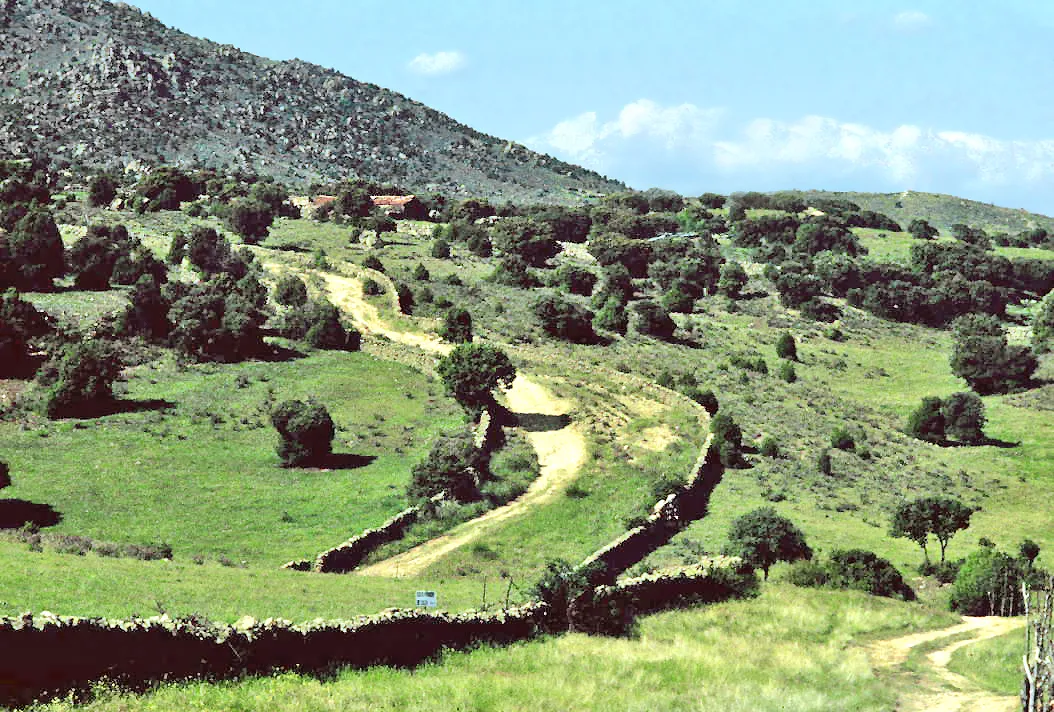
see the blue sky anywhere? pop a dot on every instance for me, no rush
(722, 95)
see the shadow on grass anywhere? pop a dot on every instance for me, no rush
(99, 409)
(540, 422)
(343, 461)
(276, 353)
(16, 513)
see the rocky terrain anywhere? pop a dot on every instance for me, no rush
(92, 83)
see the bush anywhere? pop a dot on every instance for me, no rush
(420, 273)
(823, 462)
(927, 421)
(787, 372)
(453, 467)
(372, 288)
(456, 327)
(81, 380)
(441, 249)
(982, 355)
(763, 537)
(769, 447)
(373, 262)
(471, 372)
(733, 280)
(101, 191)
(704, 397)
(291, 291)
(988, 583)
(843, 440)
(5, 475)
(577, 280)
(786, 347)
(611, 316)
(306, 432)
(855, 570)
(728, 437)
(565, 319)
(650, 319)
(250, 219)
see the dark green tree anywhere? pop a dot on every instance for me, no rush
(457, 326)
(989, 583)
(1028, 551)
(471, 372)
(305, 432)
(147, 312)
(533, 242)
(982, 356)
(786, 347)
(441, 249)
(940, 516)
(1043, 325)
(421, 274)
(564, 319)
(611, 316)
(728, 437)
(964, 417)
(80, 380)
(20, 325)
(454, 467)
(291, 291)
(922, 230)
(763, 537)
(927, 421)
(220, 319)
(101, 190)
(733, 280)
(650, 319)
(35, 249)
(250, 219)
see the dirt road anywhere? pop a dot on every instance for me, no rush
(938, 689)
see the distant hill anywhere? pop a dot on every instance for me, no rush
(95, 83)
(942, 211)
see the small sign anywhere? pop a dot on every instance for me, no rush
(426, 599)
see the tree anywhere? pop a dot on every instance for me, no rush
(35, 249)
(441, 249)
(650, 319)
(456, 327)
(5, 475)
(733, 280)
(927, 421)
(291, 291)
(1043, 325)
(940, 516)
(533, 242)
(786, 347)
(147, 312)
(421, 274)
(454, 467)
(20, 324)
(611, 316)
(220, 319)
(988, 583)
(982, 356)
(842, 439)
(763, 537)
(101, 191)
(305, 430)
(80, 380)
(250, 219)
(1028, 551)
(964, 417)
(471, 372)
(922, 230)
(728, 437)
(565, 319)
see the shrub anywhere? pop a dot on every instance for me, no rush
(577, 280)
(650, 319)
(786, 348)
(453, 467)
(927, 421)
(441, 249)
(565, 319)
(856, 570)
(372, 288)
(982, 355)
(823, 462)
(964, 417)
(5, 475)
(305, 430)
(101, 191)
(843, 440)
(250, 219)
(769, 447)
(405, 297)
(456, 327)
(733, 280)
(988, 583)
(728, 437)
(420, 273)
(291, 291)
(81, 380)
(611, 316)
(373, 262)
(704, 397)
(787, 372)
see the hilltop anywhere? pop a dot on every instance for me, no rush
(96, 84)
(941, 211)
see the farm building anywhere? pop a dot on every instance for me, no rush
(400, 206)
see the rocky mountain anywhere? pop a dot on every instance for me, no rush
(94, 83)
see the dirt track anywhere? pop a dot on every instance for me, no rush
(561, 452)
(940, 689)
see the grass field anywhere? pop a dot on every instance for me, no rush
(789, 650)
(896, 247)
(993, 664)
(195, 467)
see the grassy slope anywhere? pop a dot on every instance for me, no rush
(896, 247)
(204, 477)
(993, 664)
(789, 650)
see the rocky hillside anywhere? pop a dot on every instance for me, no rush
(96, 83)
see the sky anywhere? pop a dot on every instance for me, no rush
(705, 95)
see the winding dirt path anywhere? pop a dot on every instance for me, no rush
(940, 689)
(561, 452)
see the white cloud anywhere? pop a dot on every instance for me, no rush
(911, 20)
(437, 63)
(689, 147)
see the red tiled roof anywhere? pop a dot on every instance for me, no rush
(391, 200)
(321, 200)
